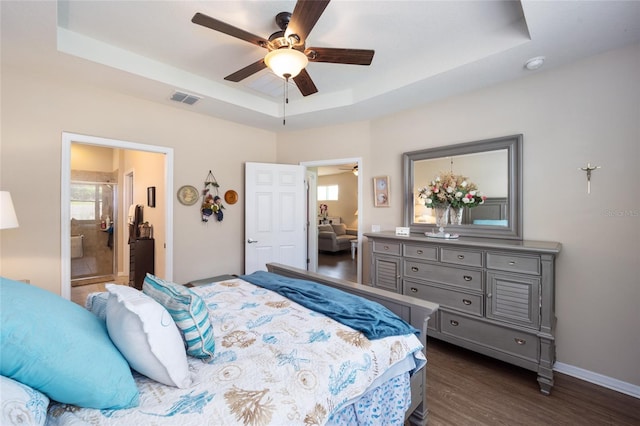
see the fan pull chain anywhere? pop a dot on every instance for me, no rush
(286, 99)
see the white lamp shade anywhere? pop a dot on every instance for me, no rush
(8, 217)
(286, 61)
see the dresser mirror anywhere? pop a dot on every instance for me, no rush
(494, 165)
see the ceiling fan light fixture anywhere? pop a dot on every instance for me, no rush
(286, 62)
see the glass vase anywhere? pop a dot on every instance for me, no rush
(442, 216)
(455, 215)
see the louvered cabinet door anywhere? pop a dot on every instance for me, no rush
(386, 273)
(513, 298)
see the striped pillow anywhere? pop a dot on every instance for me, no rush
(188, 311)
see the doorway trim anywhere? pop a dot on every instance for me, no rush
(312, 200)
(65, 199)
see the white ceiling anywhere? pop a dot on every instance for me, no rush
(425, 50)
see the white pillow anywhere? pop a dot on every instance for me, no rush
(21, 405)
(147, 336)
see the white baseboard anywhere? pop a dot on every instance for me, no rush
(598, 379)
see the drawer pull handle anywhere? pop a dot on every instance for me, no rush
(460, 256)
(386, 247)
(414, 290)
(520, 341)
(414, 269)
(466, 301)
(467, 278)
(419, 251)
(454, 323)
(513, 262)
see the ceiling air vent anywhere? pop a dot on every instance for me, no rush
(185, 98)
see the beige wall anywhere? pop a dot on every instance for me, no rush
(585, 112)
(93, 158)
(148, 170)
(37, 108)
(347, 203)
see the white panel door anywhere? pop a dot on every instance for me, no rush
(275, 218)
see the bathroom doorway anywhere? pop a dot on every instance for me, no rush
(153, 167)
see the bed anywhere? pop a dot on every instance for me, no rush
(270, 356)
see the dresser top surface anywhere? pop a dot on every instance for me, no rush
(486, 243)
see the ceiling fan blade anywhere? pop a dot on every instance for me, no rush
(340, 56)
(304, 17)
(246, 71)
(305, 84)
(223, 27)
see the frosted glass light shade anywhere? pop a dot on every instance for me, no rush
(8, 217)
(286, 61)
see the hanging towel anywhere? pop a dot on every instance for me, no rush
(77, 250)
(132, 213)
(134, 231)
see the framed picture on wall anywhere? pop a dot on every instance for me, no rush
(381, 191)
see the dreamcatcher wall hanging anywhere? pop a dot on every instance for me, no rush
(211, 201)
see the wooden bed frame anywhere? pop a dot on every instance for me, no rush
(414, 311)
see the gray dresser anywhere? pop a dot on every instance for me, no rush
(496, 297)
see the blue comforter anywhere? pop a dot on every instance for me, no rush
(370, 318)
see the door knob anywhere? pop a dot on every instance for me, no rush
(251, 241)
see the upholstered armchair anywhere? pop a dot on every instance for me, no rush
(335, 237)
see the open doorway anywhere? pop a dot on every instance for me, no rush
(336, 210)
(117, 214)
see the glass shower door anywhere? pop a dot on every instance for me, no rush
(92, 230)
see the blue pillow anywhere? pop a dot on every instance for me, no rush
(494, 222)
(96, 303)
(61, 349)
(189, 312)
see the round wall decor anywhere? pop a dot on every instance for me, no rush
(188, 195)
(231, 197)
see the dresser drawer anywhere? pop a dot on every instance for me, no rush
(461, 257)
(420, 252)
(514, 263)
(460, 277)
(470, 303)
(513, 342)
(386, 247)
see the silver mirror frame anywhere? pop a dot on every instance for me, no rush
(513, 145)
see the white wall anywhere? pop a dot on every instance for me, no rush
(586, 112)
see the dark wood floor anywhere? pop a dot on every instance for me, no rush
(468, 389)
(338, 265)
(465, 388)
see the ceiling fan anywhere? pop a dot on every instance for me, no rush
(353, 170)
(287, 53)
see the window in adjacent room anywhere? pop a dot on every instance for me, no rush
(328, 193)
(86, 201)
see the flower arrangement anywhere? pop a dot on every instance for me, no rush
(324, 210)
(450, 189)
